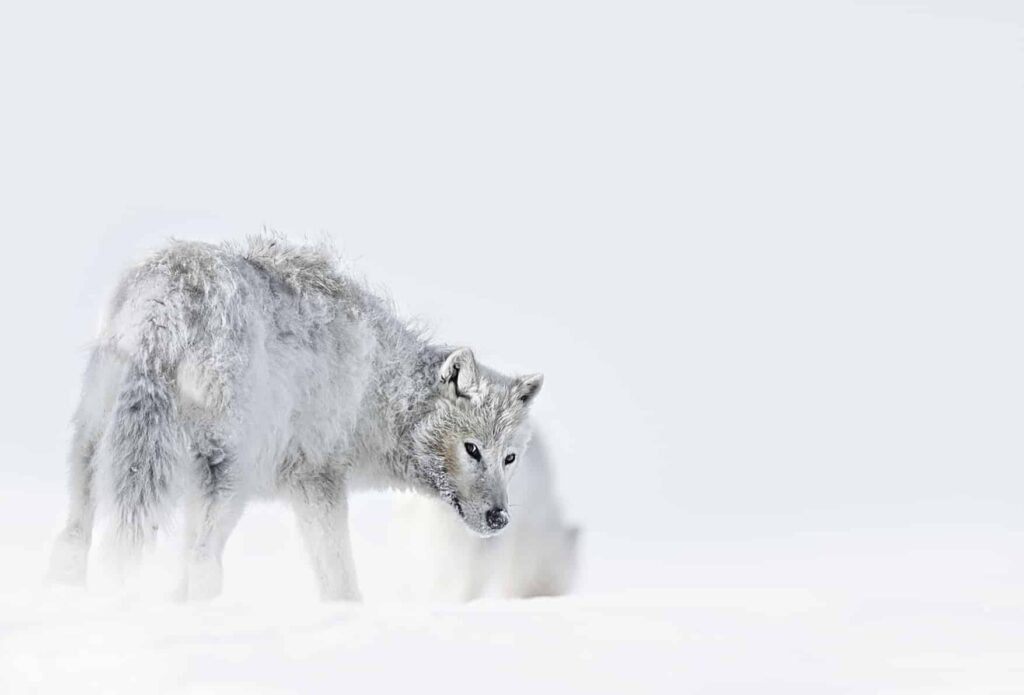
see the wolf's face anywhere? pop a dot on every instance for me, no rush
(471, 440)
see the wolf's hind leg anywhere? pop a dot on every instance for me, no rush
(70, 554)
(211, 512)
(321, 505)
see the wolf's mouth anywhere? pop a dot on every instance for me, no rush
(458, 506)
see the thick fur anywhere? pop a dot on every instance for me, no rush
(222, 374)
(536, 556)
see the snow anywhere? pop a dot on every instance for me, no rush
(768, 256)
(268, 634)
(683, 641)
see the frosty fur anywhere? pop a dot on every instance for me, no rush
(226, 373)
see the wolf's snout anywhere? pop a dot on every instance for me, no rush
(497, 518)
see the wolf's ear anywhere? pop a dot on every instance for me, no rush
(527, 387)
(459, 373)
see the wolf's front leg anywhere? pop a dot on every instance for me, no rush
(322, 509)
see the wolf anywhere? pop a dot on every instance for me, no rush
(537, 556)
(226, 373)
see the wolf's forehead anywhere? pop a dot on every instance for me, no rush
(494, 415)
(503, 417)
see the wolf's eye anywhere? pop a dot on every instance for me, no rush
(472, 450)
(509, 459)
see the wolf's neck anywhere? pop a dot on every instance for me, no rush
(406, 365)
(406, 368)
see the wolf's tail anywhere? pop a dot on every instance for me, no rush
(144, 440)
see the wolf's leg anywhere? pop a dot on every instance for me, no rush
(71, 550)
(192, 512)
(321, 505)
(212, 511)
(209, 521)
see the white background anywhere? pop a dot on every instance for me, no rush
(768, 256)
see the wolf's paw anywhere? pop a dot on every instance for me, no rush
(68, 561)
(204, 581)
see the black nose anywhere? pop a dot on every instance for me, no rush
(497, 518)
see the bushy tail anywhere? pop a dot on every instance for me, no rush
(144, 442)
(145, 448)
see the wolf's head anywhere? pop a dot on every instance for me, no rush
(469, 441)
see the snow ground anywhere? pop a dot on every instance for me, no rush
(267, 634)
(714, 641)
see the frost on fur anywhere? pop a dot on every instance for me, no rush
(224, 373)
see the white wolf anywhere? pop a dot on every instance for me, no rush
(224, 373)
(536, 556)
